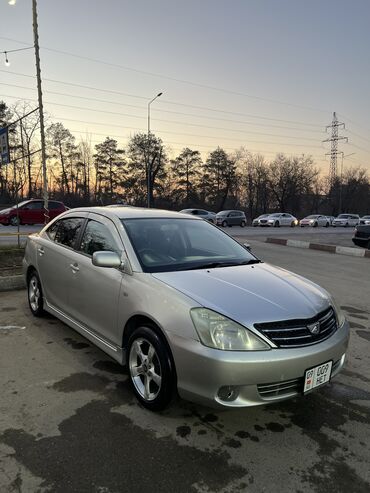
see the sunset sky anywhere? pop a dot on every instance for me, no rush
(264, 74)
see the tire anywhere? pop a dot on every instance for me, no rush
(154, 394)
(292, 224)
(368, 245)
(346, 225)
(315, 225)
(327, 225)
(224, 224)
(34, 295)
(243, 224)
(276, 224)
(14, 221)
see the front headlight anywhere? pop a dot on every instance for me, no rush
(219, 332)
(339, 315)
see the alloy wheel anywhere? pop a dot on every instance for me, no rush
(34, 293)
(145, 369)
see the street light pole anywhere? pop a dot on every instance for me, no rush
(41, 110)
(148, 165)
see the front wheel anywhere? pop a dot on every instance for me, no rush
(327, 225)
(35, 296)
(151, 370)
(315, 225)
(224, 224)
(276, 224)
(292, 224)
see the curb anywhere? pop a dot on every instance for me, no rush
(341, 250)
(12, 283)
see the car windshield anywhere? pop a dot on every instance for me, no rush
(343, 216)
(275, 215)
(164, 245)
(312, 217)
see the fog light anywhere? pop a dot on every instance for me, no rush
(228, 393)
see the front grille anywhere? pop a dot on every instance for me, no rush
(289, 387)
(295, 333)
(263, 221)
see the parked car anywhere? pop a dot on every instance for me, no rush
(365, 220)
(185, 307)
(30, 212)
(346, 220)
(231, 218)
(331, 219)
(203, 214)
(256, 221)
(279, 219)
(315, 220)
(362, 236)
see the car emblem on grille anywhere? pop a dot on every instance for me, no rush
(314, 328)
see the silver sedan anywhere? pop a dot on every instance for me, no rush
(315, 220)
(185, 306)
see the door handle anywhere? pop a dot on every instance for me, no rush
(41, 251)
(74, 267)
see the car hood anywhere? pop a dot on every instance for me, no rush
(250, 294)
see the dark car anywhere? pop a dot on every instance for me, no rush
(231, 218)
(362, 236)
(30, 212)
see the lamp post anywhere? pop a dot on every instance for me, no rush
(41, 108)
(341, 179)
(148, 165)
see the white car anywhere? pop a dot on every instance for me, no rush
(346, 220)
(315, 220)
(365, 220)
(256, 221)
(279, 219)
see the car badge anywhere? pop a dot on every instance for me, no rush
(314, 328)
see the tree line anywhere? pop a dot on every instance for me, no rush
(80, 173)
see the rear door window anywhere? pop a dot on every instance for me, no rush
(68, 231)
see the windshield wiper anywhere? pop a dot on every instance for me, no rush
(213, 265)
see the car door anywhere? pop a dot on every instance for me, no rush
(95, 291)
(55, 258)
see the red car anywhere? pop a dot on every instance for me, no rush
(30, 212)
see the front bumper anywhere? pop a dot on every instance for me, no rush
(203, 373)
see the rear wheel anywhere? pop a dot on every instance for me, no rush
(35, 296)
(151, 370)
(243, 224)
(14, 221)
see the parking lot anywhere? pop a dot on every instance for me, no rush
(330, 236)
(69, 422)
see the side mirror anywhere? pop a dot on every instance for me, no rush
(247, 246)
(106, 259)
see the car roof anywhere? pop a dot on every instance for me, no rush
(134, 212)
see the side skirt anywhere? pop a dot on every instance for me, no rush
(116, 352)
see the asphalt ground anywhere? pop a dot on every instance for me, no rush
(331, 236)
(69, 422)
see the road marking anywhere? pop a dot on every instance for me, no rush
(11, 327)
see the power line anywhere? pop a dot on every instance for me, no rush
(160, 119)
(165, 101)
(165, 111)
(174, 79)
